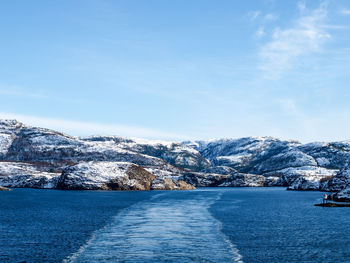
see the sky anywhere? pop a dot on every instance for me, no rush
(178, 70)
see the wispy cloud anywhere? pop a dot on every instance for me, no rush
(301, 6)
(260, 32)
(345, 12)
(79, 128)
(305, 36)
(270, 17)
(258, 15)
(254, 14)
(263, 20)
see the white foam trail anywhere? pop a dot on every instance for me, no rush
(234, 250)
(72, 258)
(162, 229)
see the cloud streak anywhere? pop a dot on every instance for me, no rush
(254, 15)
(79, 128)
(270, 17)
(345, 12)
(306, 35)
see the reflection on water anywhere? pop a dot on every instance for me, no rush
(162, 229)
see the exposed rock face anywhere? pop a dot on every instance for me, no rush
(16, 174)
(309, 183)
(235, 179)
(333, 155)
(249, 155)
(224, 170)
(105, 176)
(339, 181)
(169, 184)
(203, 179)
(302, 178)
(8, 132)
(165, 173)
(220, 180)
(343, 195)
(244, 180)
(173, 153)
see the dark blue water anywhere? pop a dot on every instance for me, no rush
(205, 225)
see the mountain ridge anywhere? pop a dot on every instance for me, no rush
(248, 161)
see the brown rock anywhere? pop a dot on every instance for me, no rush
(169, 184)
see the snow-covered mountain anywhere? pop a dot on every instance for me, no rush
(47, 158)
(174, 153)
(33, 157)
(283, 163)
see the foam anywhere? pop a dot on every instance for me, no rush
(163, 229)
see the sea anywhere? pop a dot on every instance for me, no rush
(202, 225)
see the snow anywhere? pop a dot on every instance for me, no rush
(5, 142)
(234, 159)
(168, 144)
(106, 176)
(322, 161)
(98, 173)
(15, 174)
(161, 173)
(281, 162)
(310, 171)
(343, 195)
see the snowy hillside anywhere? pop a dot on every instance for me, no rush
(42, 158)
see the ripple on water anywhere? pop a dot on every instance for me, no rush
(162, 230)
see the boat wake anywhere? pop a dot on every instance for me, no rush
(162, 229)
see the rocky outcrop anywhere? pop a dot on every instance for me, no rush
(203, 179)
(115, 176)
(169, 184)
(235, 179)
(244, 180)
(224, 170)
(301, 178)
(105, 176)
(86, 176)
(220, 180)
(303, 183)
(8, 132)
(4, 189)
(339, 181)
(26, 175)
(343, 195)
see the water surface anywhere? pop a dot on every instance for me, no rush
(204, 225)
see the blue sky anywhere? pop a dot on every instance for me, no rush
(178, 69)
